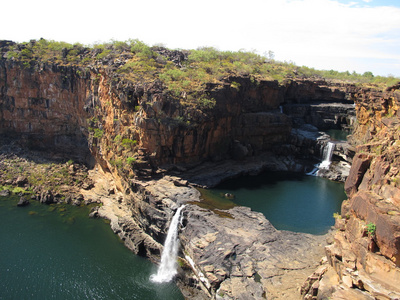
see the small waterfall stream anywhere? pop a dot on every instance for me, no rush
(328, 151)
(326, 159)
(168, 268)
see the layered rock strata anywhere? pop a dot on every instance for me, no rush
(44, 108)
(137, 134)
(366, 254)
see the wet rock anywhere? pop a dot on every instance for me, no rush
(23, 202)
(46, 197)
(76, 202)
(94, 212)
(5, 193)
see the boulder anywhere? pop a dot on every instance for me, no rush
(360, 165)
(94, 212)
(76, 202)
(23, 202)
(21, 181)
(46, 197)
(5, 193)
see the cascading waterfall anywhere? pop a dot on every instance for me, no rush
(328, 151)
(326, 159)
(168, 267)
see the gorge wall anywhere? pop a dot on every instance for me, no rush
(150, 142)
(51, 106)
(44, 108)
(366, 251)
(364, 258)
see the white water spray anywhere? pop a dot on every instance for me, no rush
(168, 267)
(328, 151)
(326, 159)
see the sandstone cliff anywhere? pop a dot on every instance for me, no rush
(44, 107)
(366, 252)
(138, 132)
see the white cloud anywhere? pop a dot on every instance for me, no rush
(317, 33)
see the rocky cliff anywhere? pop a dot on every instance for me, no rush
(156, 146)
(366, 253)
(44, 107)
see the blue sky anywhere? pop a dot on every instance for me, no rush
(358, 35)
(372, 3)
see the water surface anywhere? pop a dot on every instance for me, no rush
(338, 135)
(289, 201)
(57, 252)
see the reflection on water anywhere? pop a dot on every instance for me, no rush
(57, 252)
(338, 135)
(289, 201)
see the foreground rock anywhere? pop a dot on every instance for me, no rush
(232, 254)
(242, 256)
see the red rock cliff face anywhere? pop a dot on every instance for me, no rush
(366, 252)
(245, 120)
(132, 128)
(44, 107)
(244, 115)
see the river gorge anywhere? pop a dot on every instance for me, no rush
(136, 155)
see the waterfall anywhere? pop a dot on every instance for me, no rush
(168, 268)
(326, 159)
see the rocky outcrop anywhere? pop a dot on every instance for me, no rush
(227, 254)
(44, 107)
(366, 252)
(41, 176)
(244, 256)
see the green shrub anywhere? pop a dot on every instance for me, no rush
(337, 215)
(235, 85)
(371, 228)
(128, 143)
(118, 138)
(103, 54)
(130, 160)
(206, 103)
(98, 133)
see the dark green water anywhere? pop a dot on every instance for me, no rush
(57, 252)
(338, 135)
(289, 201)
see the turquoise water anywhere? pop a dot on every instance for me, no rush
(57, 252)
(289, 201)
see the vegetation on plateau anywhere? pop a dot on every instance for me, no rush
(39, 176)
(185, 78)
